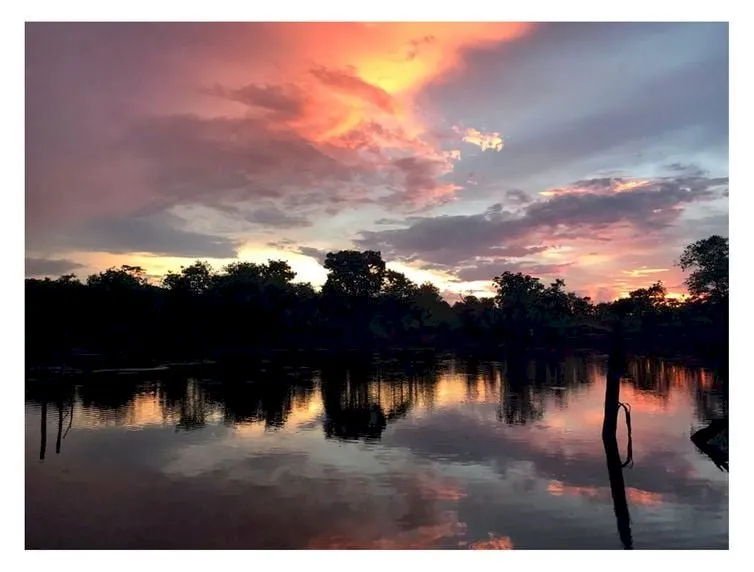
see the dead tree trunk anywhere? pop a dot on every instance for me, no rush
(612, 453)
(43, 430)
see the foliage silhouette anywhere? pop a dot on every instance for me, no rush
(247, 307)
(709, 260)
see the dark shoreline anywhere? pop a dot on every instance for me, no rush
(91, 364)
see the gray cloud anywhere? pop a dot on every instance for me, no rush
(487, 271)
(50, 266)
(268, 216)
(454, 239)
(157, 234)
(518, 197)
(193, 158)
(316, 253)
(285, 102)
(273, 216)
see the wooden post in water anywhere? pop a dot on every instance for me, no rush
(60, 425)
(43, 430)
(610, 442)
(73, 407)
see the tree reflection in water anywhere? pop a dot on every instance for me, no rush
(616, 365)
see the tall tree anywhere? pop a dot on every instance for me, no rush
(708, 261)
(195, 279)
(353, 273)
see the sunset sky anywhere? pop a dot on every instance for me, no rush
(592, 152)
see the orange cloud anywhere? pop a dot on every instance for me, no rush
(641, 272)
(643, 498)
(439, 490)
(420, 538)
(599, 186)
(558, 488)
(356, 86)
(350, 84)
(622, 186)
(493, 543)
(635, 496)
(492, 141)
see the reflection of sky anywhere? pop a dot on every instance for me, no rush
(448, 474)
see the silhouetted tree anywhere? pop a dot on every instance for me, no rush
(195, 280)
(708, 260)
(248, 305)
(354, 274)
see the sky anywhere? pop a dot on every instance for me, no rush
(589, 151)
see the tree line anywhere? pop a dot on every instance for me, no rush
(198, 311)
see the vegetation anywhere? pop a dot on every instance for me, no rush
(199, 311)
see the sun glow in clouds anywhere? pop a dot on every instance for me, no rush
(641, 272)
(611, 187)
(485, 141)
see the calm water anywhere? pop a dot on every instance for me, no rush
(367, 453)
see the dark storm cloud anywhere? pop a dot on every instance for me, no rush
(451, 240)
(50, 266)
(157, 234)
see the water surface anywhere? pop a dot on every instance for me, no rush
(420, 452)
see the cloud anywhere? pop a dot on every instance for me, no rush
(487, 271)
(347, 82)
(603, 185)
(689, 170)
(157, 234)
(194, 158)
(649, 206)
(574, 109)
(317, 254)
(497, 234)
(420, 179)
(286, 102)
(518, 197)
(640, 272)
(50, 266)
(269, 216)
(485, 141)
(325, 115)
